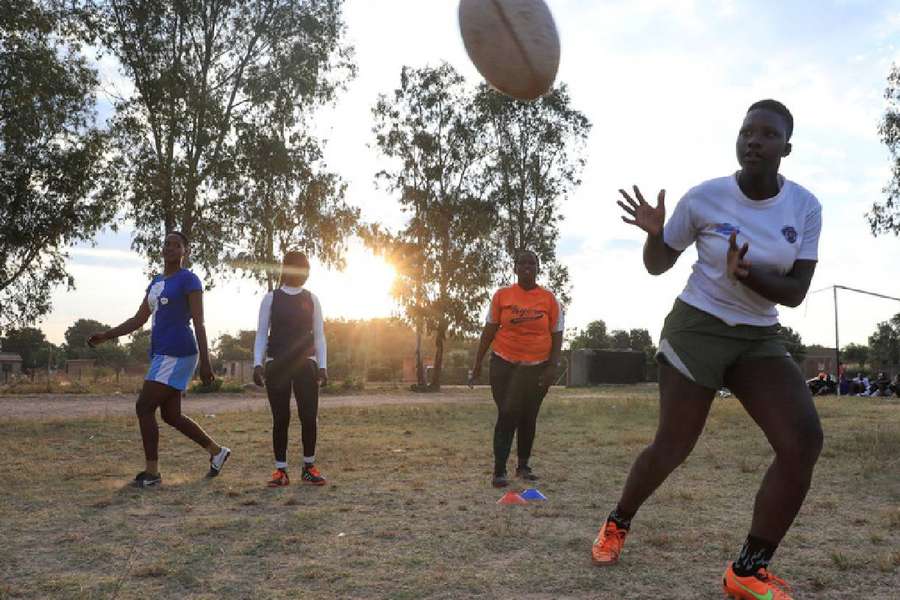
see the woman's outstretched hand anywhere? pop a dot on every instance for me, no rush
(737, 266)
(650, 219)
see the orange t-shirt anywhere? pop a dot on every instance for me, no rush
(526, 318)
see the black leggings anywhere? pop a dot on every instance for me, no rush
(518, 396)
(303, 377)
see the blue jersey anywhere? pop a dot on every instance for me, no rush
(171, 332)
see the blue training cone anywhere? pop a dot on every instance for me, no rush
(532, 494)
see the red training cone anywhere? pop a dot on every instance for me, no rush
(511, 498)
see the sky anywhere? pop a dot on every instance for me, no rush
(665, 84)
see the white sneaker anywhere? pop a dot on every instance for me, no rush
(218, 461)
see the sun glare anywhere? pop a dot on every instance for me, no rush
(361, 291)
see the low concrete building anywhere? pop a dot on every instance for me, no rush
(818, 362)
(589, 367)
(239, 370)
(10, 365)
(78, 368)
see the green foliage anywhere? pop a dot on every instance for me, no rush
(218, 386)
(794, 344)
(884, 345)
(108, 354)
(239, 347)
(139, 346)
(215, 84)
(444, 254)
(884, 217)
(77, 335)
(855, 354)
(535, 154)
(593, 336)
(49, 157)
(27, 343)
(619, 339)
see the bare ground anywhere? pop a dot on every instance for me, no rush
(409, 512)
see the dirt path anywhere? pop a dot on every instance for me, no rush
(71, 406)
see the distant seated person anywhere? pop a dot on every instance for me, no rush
(822, 384)
(879, 387)
(859, 385)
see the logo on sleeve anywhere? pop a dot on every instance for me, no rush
(789, 233)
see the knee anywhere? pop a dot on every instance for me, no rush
(802, 450)
(171, 418)
(143, 408)
(671, 452)
(281, 418)
(508, 415)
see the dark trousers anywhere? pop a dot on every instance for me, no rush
(518, 396)
(303, 377)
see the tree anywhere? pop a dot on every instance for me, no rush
(536, 152)
(593, 336)
(855, 354)
(50, 154)
(884, 344)
(239, 347)
(27, 343)
(619, 339)
(205, 74)
(139, 346)
(285, 200)
(76, 338)
(793, 343)
(884, 216)
(443, 255)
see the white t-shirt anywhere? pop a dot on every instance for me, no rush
(780, 230)
(265, 316)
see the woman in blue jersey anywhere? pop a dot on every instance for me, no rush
(173, 298)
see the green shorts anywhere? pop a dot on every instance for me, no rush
(702, 347)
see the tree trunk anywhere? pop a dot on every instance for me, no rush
(420, 368)
(435, 385)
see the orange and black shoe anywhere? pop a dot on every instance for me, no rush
(608, 545)
(312, 476)
(761, 585)
(279, 479)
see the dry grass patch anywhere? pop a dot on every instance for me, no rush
(409, 511)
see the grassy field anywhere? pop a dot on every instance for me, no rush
(409, 512)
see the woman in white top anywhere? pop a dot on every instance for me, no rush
(290, 352)
(757, 241)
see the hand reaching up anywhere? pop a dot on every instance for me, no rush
(650, 219)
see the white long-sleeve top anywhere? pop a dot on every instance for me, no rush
(265, 317)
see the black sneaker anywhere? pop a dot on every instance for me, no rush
(499, 480)
(145, 480)
(524, 472)
(312, 476)
(218, 461)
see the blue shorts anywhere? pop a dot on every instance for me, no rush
(173, 371)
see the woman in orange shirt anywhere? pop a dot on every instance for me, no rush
(525, 324)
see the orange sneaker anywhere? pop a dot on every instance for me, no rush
(279, 479)
(312, 475)
(608, 545)
(760, 586)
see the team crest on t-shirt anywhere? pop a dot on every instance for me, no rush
(789, 233)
